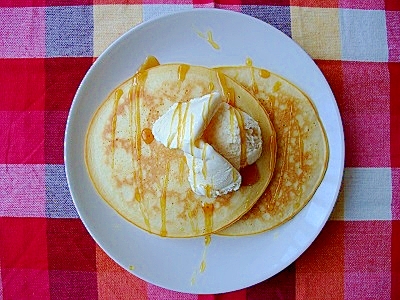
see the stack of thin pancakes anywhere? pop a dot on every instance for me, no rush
(146, 182)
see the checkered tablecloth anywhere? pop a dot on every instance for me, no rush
(46, 47)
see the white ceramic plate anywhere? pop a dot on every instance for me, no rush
(231, 263)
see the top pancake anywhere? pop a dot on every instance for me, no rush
(302, 150)
(146, 182)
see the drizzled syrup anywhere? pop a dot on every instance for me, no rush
(136, 133)
(229, 93)
(147, 135)
(250, 175)
(163, 203)
(117, 96)
(208, 209)
(243, 146)
(264, 73)
(149, 62)
(182, 71)
(254, 86)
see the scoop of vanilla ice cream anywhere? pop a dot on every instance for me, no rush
(210, 134)
(210, 174)
(182, 127)
(224, 134)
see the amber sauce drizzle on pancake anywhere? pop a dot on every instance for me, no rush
(229, 93)
(243, 146)
(181, 121)
(163, 202)
(264, 73)
(136, 139)
(250, 174)
(149, 62)
(191, 147)
(182, 128)
(211, 87)
(117, 96)
(301, 146)
(172, 134)
(138, 84)
(232, 112)
(272, 146)
(208, 209)
(182, 164)
(283, 169)
(147, 135)
(254, 86)
(276, 86)
(182, 71)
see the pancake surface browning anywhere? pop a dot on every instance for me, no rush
(146, 182)
(302, 150)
